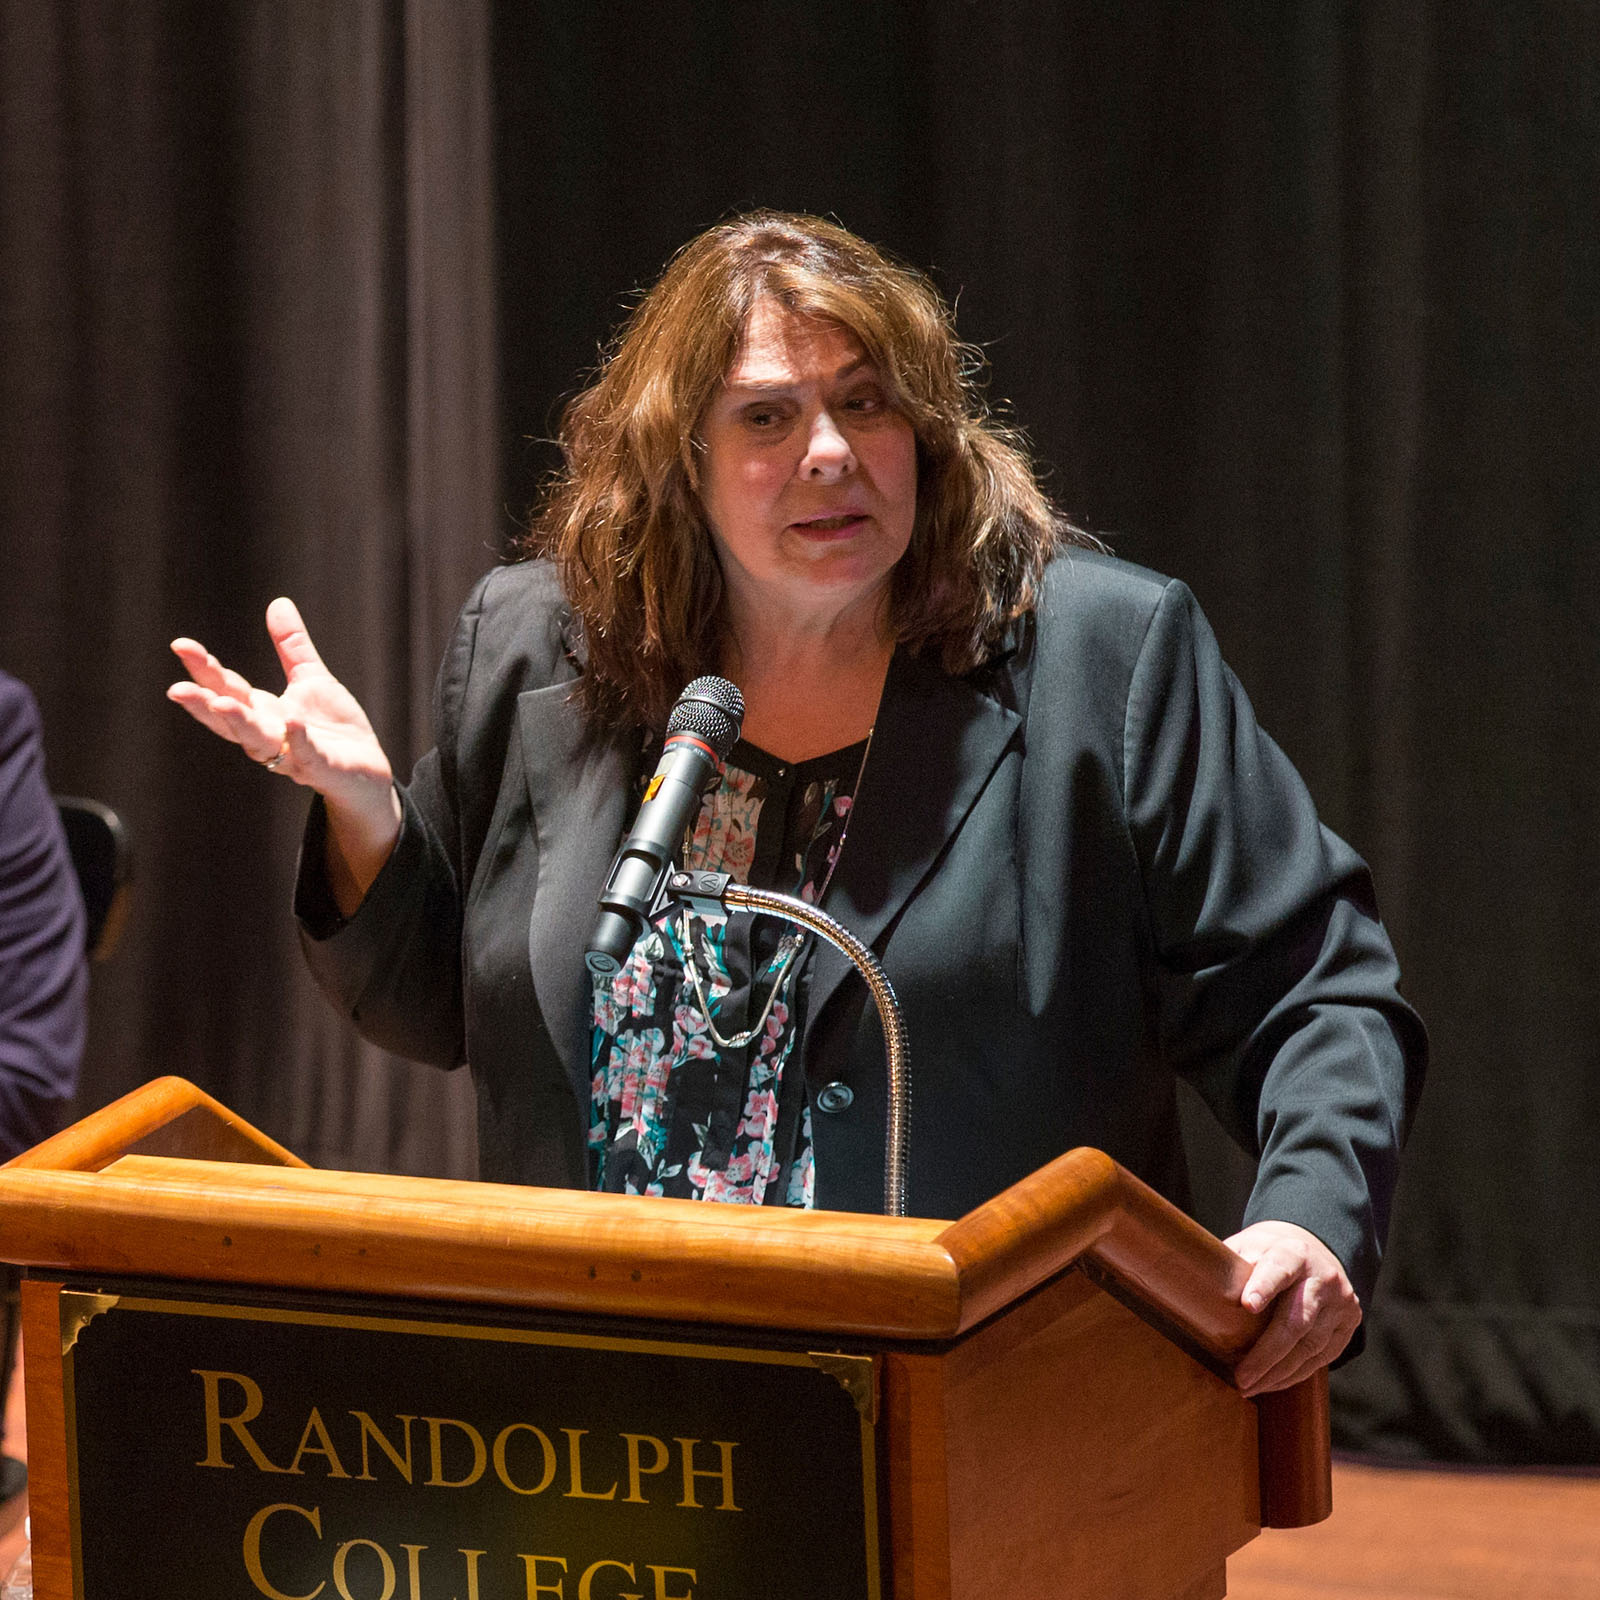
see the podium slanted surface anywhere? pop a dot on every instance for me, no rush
(256, 1378)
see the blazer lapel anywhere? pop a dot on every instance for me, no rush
(936, 742)
(578, 790)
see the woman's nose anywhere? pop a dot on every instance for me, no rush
(828, 453)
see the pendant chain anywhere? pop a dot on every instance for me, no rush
(788, 947)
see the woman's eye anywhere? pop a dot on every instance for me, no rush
(763, 417)
(864, 404)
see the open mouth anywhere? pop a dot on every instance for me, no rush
(837, 524)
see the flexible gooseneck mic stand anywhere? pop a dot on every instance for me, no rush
(716, 891)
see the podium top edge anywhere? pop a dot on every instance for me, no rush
(168, 1182)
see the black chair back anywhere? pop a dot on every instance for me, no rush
(102, 855)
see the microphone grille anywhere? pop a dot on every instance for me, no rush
(712, 709)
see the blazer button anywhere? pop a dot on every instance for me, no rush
(835, 1097)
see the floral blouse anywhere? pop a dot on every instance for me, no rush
(671, 1111)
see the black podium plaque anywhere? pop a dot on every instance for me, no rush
(236, 1449)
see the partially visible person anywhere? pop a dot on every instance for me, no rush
(43, 977)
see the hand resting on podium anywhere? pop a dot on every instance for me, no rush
(1314, 1308)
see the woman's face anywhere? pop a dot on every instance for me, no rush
(810, 477)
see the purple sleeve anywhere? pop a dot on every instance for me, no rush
(43, 979)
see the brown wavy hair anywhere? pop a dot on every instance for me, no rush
(623, 521)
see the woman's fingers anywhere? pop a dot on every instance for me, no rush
(1270, 1275)
(255, 728)
(1292, 1333)
(210, 673)
(315, 732)
(1314, 1308)
(1317, 1349)
(224, 701)
(289, 637)
(1305, 1333)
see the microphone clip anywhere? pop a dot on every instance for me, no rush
(702, 892)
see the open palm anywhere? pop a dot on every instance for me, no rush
(314, 731)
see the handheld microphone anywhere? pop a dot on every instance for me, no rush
(700, 732)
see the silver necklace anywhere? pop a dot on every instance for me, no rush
(788, 947)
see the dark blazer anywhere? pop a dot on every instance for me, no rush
(1084, 868)
(44, 983)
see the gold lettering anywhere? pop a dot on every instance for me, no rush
(681, 1572)
(480, 1453)
(535, 1588)
(691, 1472)
(315, 1425)
(414, 1564)
(473, 1558)
(575, 1461)
(503, 1473)
(586, 1582)
(252, 1549)
(370, 1430)
(635, 1470)
(216, 1422)
(342, 1556)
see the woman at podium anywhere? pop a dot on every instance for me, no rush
(1017, 767)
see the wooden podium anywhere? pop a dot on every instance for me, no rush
(1042, 1385)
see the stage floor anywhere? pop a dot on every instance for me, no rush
(1395, 1534)
(1399, 1533)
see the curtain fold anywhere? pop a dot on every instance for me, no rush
(249, 338)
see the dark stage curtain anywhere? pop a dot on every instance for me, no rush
(1298, 303)
(246, 349)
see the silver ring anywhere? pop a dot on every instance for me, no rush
(277, 760)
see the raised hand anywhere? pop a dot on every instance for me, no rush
(1314, 1308)
(314, 732)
